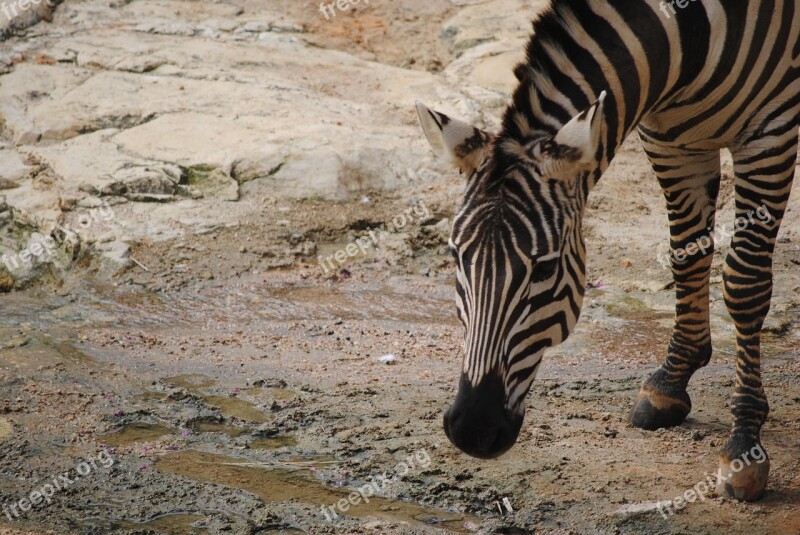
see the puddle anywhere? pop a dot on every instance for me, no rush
(170, 524)
(32, 350)
(190, 382)
(381, 303)
(219, 427)
(134, 433)
(100, 304)
(230, 407)
(237, 408)
(151, 396)
(68, 351)
(281, 394)
(314, 459)
(281, 484)
(270, 393)
(273, 443)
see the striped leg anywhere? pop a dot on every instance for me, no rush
(764, 174)
(691, 184)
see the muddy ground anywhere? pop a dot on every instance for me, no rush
(237, 386)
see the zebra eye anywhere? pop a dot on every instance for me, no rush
(545, 268)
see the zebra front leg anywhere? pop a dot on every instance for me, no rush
(764, 176)
(690, 184)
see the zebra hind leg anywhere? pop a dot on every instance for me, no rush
(764, 176)
(690, 183)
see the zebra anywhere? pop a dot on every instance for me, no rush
(714, 75)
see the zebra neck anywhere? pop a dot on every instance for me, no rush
(581, 48)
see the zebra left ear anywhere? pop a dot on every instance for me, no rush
(465, 145)
(578, 140)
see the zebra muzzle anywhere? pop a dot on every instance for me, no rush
(478, 423)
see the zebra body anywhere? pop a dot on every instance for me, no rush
(713, 75)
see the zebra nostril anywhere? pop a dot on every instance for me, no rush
(505, 435)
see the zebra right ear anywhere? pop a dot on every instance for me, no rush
(465, 145)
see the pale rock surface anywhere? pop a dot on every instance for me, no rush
(184, 116)
(488, 39)
(235, 110)
(483, 22)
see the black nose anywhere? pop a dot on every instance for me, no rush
(478, 423)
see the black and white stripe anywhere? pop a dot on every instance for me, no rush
(714, 75)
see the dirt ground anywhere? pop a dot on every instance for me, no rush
(238, 388)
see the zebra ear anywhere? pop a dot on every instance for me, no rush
(465, 145)
(579, 139)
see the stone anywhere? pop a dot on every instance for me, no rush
(199, 106)
(114, 254)
(490, 66)
(13, 169)
(484, 22)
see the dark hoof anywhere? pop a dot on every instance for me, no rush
(743, 477)
(654, 410)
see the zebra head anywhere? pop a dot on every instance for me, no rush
(520, 256)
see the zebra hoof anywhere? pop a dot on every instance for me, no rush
(743, 476)
(654, 410)
(747, 485)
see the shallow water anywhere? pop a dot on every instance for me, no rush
(191, 381)
(272, 443)
(220, 427)
(278, 484)
(229, 406)
(170, 524)
(134, 433)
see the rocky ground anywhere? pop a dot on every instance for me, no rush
(191, 161)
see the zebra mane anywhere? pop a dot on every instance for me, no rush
(521, 124)
(547, 96)
(538, 72)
